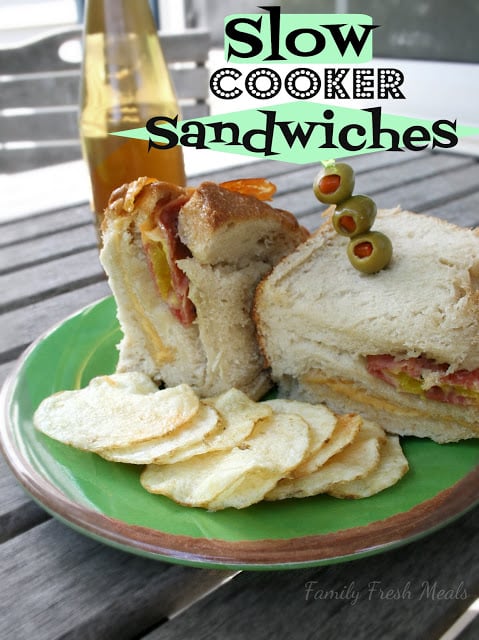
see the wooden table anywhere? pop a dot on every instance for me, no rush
(56, 583)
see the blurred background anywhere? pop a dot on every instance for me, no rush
(434, 42)
(425, 29)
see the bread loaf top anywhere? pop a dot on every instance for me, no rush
(221, 226)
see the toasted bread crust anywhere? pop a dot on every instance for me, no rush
(219, 225)
(140, 197)
(213, 207)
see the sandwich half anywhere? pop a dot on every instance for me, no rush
(400, 347)
(183, 265)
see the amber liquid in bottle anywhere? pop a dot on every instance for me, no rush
(125, 81)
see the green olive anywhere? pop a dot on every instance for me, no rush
(354, 216)
(334, 183)
(370, 252)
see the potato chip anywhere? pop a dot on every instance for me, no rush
(203, 423)
(281, 440)
(322, 423)
(198, 480)
(115, 411)
(238, 416)
(237, 477)
(346, 429)
(249, 489)
(392, 467)
(355, 461)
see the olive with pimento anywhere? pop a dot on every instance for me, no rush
(370, 252)
(354, 216)
(334, 183)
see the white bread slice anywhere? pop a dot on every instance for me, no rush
(219, 226)
(318, 318)
(234, 241)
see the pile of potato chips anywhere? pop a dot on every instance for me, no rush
(226, 451)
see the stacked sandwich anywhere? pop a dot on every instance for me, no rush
(183, 265)
(400, 346)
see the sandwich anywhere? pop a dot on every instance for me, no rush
(399, 347)
(183, 265)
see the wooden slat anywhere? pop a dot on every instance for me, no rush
(290, 177)
(61, 124)
(52, 126)
(53, 137)
(197, 110)
(13, 160)
(471, 632)
(79, 588)
(51, 278)
(190, 84)
(402, 174)
(42, 54)
(463, 211)
(184, 47)
(404, 186)
(58, 84)
(37, 250)
(34, 56)
(35, 77)
(20, 328)
(17, 511)
(38, 91)
(44, 224)
(275, 605)
(50, 121)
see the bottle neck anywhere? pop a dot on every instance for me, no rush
(119, 16)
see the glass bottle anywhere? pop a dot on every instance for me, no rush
(125, 81)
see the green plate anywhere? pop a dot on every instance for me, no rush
(106, 501)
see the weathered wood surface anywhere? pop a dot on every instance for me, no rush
(39, 93)
(401, 594)
(57, 583)
(44, 54)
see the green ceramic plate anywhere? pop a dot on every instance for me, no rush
(105, 500)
